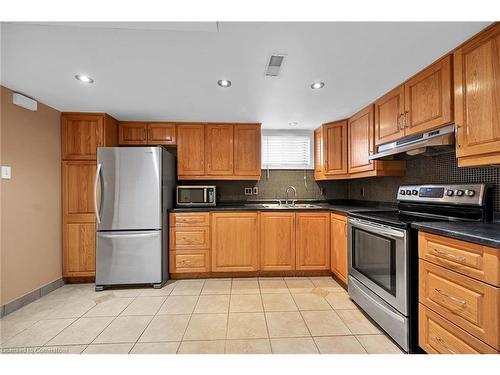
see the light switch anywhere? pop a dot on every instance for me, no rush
(6, 172)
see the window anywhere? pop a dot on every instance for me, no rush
(283, 149)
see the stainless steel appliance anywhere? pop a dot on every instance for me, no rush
(134, 188)
(196, 196)
(383, 252)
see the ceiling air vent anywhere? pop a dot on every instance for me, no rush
(274, 65)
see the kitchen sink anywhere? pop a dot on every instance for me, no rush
(289, 206)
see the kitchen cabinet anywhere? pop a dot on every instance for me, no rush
(318, 154)
(338, 246)
(132, 133)
(335, 148)
(82, 133)
(459, 296)
(189, 242)
(218, 151)
(477, 99)
(219, 140)
(428, 98)
(389, 113)
(247, 153)
(277, 241)
(161, 133)
(235, 241)
(190, 150)
(312, 241)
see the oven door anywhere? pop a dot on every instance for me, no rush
(378, 259)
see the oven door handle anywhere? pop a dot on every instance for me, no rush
(381, 229)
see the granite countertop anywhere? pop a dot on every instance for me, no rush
(335, 206)
(487, 234)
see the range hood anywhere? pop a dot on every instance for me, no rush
(434, 142)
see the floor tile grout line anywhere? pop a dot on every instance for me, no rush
(267, 326)
(190, 317)
(305, 323)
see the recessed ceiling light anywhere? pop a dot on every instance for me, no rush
(224, 82)
(317, 85)
(293, 123)
(83, 78)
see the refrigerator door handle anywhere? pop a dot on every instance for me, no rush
(121, 235)
(96, 180)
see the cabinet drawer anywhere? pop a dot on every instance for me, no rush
(195, 219)
(189, 261)
(470, 304)
(189, 238)
(477, 261)
(439, 336)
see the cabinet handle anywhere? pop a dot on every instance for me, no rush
(454, 299)
(450, 256)
(406, 119)
(187, 239)
(444, 345)
(400, 122)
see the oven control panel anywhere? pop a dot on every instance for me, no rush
(470, 194)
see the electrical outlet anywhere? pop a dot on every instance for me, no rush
(255, 190)
(248, 191)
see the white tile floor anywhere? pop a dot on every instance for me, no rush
(244, 315)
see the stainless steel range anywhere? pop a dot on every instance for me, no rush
(383, 252)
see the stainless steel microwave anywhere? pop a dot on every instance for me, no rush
(196, 196)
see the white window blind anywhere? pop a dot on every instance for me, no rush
(287, 150)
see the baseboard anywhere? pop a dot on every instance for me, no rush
(30, 297)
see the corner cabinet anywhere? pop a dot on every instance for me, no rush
(235, 241)
(81, 133)
(218, 151)
(477, 99)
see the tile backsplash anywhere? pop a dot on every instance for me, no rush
(441, 169)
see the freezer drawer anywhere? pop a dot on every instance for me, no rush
(132, 257)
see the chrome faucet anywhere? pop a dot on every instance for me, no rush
(295, 195)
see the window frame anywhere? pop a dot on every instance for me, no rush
(289, 133)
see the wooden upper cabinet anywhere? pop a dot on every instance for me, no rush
(361, 141)
(335, 148)
(247, 143)
(389, 112)
(190, 150)
(477, 99)
(338, 242)
(219, 155)
(318, 154)
(81, 134)
(428, 98)
(235, 241)
(132, 133)
(277, 241)
(161, 133)
(312, 241)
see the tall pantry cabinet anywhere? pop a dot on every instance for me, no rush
(81, 134)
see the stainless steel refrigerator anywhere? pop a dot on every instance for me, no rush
(134, 188)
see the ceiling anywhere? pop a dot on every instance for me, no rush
(169, 70)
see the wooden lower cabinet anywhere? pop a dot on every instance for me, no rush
(235, 241)
(277, 241)
(79, 250)
(338, 246)
(313, 241)
(189, 261)
(437, 335)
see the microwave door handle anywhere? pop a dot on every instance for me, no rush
(378, 228)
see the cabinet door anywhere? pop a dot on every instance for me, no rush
(132, 133)
(338, 243)
(312, 241)
(335, 148)
(235, 242)
(428, 100)
(389, 111)
(361, 141)
(247, 142)
(477, 99)
(81, 134)
(78, 218)
(190, 150)
(161, 133)
(219, 149)
(277, 241)
(318, 154)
